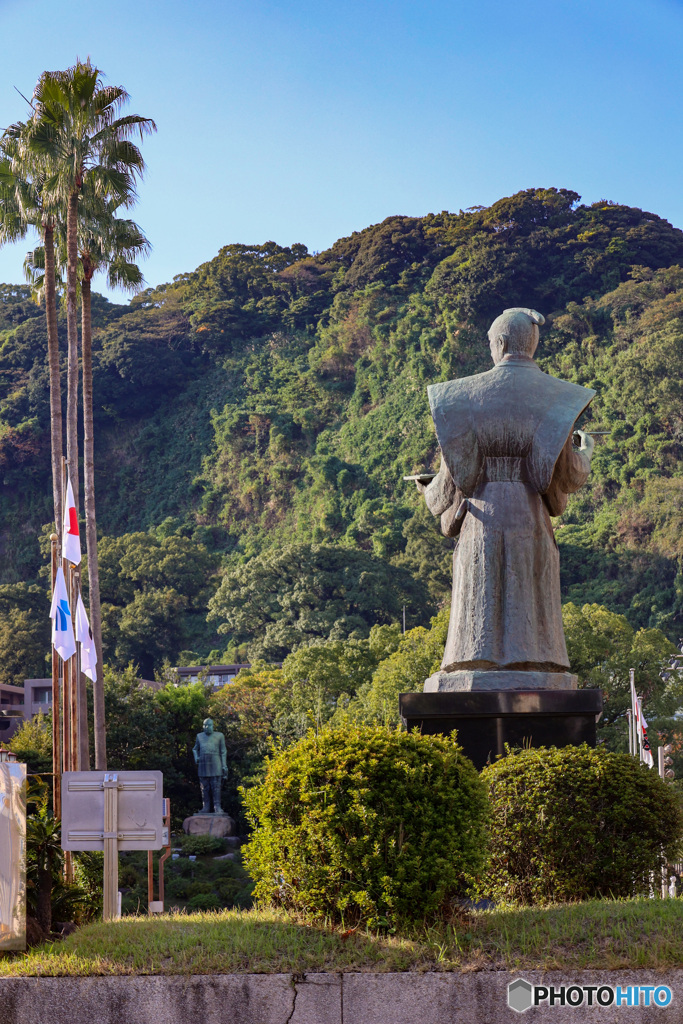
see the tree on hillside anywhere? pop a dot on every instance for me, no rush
(288, 596)
(76, 138)
(80, 148)
(153, 589)
(23, 203)
(603, 647)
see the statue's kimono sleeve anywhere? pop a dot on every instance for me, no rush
(443, 499)
(570, 474)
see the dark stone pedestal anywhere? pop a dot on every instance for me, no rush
(487, 720)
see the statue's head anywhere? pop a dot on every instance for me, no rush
(208, 726)
(515, 332)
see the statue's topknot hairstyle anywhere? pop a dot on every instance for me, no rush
(516, 328)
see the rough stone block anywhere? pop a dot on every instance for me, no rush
(220, 825)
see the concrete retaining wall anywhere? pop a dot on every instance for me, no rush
(475, 998)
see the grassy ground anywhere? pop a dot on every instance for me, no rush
(608, 935)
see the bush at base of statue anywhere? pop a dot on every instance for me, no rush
(576, 823)
(367, 824)
(201, 845)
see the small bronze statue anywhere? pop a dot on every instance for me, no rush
(210, 758)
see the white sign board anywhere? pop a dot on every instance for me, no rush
(138, 814)
(12, 855)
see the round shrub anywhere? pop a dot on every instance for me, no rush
(201, 846)
(576, 823)
(204, 901)
(366, 824)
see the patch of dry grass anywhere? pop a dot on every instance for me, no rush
(597, 935)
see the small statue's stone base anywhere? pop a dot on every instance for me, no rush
(471, 680)
(486, 721)
(220, 825)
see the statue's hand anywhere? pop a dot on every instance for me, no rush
(225, 773)
(587, 443)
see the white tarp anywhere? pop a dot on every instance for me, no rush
(12, 855)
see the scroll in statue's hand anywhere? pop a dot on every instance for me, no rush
(587, 443)
(422, 480)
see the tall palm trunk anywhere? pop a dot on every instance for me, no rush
(72, 329)
(53, 364)
(90, 522)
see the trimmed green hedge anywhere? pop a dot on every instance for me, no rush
(576, 823)
(367, 824)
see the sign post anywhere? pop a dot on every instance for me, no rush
(112, 811)
(157, 906)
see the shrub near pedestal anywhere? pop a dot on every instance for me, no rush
(577, 823)
(366, 824)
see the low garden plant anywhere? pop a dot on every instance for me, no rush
(201, 846)
(203, 883)
(367, 824)
(577, 823)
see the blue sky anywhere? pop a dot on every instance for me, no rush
(303, 121)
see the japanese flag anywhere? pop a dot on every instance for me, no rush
(85, 639)
(644, 742)
(71, 540)
(62, 624)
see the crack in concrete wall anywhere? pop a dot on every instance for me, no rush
(358, 998)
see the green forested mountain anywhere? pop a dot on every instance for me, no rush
(257, 415)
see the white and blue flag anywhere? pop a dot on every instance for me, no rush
(85, 639)
(62, 624)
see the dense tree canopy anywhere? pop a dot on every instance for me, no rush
(307, 592)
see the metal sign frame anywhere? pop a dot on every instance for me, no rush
(112, 811)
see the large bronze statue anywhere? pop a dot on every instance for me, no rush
(211, 760)
(508, 463)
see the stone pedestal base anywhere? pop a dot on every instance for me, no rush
(487, 720)
(470, 680)
(209, 825)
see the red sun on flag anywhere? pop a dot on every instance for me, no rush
(71, 541)
(73, 522)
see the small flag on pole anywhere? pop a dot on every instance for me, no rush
(62, 624)
(646, 752)
(71, 539)
(85, 639)
(635, 711)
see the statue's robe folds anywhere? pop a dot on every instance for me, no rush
(508, 464)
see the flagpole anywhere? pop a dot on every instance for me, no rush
(66, 694)
(75, 752)
(634, 713)
(83, 733)
(56, 731)
(66, 688)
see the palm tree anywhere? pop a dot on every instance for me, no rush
(23, 204)
(77, 139)
(104, 242)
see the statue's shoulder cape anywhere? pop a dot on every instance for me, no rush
(516, 402)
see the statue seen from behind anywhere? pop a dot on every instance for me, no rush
(509, 462)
